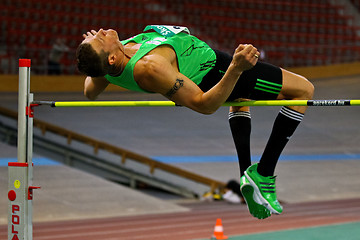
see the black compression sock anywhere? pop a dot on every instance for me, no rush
(240, 125)
(284, 126)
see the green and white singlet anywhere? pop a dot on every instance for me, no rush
(203, 65)
(195, 57)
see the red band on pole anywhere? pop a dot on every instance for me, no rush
(24, 62)
(18, 164)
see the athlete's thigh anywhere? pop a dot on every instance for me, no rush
(295, 86)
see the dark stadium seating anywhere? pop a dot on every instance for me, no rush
(291, 32)
(356, 3)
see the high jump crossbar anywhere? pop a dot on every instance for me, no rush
(334, 102)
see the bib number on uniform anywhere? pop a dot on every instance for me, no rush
(167, 30)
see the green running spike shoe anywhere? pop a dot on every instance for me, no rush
(255, 209)
(264, 188)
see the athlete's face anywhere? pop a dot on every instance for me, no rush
(106, 40)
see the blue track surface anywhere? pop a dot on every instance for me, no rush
(204, 159)
(37, 161)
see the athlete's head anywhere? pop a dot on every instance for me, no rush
(91, 63)
(99, 53)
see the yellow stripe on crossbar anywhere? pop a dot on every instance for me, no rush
(268, 103)
(172, 104)
(354, 102)
(115, 104)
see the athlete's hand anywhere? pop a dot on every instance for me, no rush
(245, 57)
(91, 33)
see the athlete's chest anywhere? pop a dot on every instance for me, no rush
(132, 48)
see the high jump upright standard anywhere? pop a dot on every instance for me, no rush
(20, 189)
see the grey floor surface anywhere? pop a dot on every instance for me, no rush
(180, 132)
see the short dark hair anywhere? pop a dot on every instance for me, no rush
(90, 63)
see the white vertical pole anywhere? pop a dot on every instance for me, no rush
(24, 80)
(20, 172)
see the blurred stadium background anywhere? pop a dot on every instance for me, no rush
(290, 33)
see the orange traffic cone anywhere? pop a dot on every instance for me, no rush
(219, 230)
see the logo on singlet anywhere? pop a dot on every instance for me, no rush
(190, 50)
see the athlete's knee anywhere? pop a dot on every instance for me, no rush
(308, 89)
(296, 87)
(239, 109)
(305, 89)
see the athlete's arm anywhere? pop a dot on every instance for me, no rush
(155, 73)
(94, 86)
